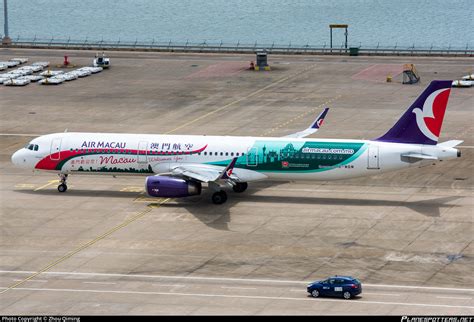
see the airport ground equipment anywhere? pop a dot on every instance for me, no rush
(101, 61)
(262, 61)
(410, 74)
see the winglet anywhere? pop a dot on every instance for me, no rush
(320, 119)
(228, 170)
(313, 128)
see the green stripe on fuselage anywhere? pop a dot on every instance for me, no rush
(297, 157)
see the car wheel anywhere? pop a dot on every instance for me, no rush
(347, 295)
(315, 293)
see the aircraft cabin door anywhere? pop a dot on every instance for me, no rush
(373, 157)
(142, 152)
(55, 153)
(252, 157)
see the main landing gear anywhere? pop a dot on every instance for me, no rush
(220, 196)
(240, 187)
(62, 179)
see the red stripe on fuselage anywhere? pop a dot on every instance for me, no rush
(49, 162)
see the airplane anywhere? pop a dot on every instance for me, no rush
(177, 165)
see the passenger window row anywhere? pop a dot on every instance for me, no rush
(222, 153)
(154, 152)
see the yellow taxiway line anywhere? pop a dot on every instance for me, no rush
(243, 98)
(88, 244)
(150, 206)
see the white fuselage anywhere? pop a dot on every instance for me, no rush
(258, 157)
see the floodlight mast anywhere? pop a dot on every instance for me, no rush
(6, 39)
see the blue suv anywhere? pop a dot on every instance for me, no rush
(345, 286)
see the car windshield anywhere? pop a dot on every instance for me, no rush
(355, 280)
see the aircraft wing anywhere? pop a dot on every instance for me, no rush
(318, 122)
(213, 173)
(206, 173)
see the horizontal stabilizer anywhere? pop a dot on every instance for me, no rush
(420, 156)
(450, 143)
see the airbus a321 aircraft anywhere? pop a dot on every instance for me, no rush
(177, 165)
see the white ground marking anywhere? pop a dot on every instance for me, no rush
(454, 297)
(236, 296)
(244, 280)
(105, 283)
(169, 285)
(41, 281)
(384, 294)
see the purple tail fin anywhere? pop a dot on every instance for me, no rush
(421, 123)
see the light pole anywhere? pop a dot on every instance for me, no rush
(6, 40)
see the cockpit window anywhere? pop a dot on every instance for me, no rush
(32, 147)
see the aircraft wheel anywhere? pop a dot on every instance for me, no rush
(240, 187)
(219, 197)
(62, 187)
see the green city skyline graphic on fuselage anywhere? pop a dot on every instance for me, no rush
(291, 156)
(274, 156)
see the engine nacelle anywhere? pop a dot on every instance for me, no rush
(162, 186)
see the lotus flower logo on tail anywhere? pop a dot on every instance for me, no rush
(430, 118)
(421, 123)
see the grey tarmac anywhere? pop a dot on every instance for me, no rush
(104, 247)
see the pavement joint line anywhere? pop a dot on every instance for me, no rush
(86, 245)
(256, 297)
(233, 279)
(281, 80)
(20, 134)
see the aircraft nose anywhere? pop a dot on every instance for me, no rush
(18, 158)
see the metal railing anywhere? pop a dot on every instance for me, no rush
(170, 46)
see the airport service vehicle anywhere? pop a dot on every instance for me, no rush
(68, 76)
(463, 83)
(82, 72)
(43, 64)
(55, 80)
(34, 78)
(101, 61)
(51, 73)
(10, 63)
(19, 81)
(177, 165)
(339, 286)
(21, 60)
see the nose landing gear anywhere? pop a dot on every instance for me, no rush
(62, 179)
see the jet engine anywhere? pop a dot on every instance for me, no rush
(162, 186)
